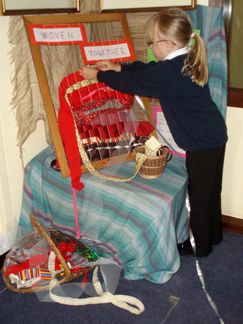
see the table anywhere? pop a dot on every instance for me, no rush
(138, 222)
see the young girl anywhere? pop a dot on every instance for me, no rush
(179, 80)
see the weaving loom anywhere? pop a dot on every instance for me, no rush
(109, 123)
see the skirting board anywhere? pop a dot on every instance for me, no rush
(230, 224)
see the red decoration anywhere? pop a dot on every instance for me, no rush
(94, 125)
(83, 99)
(33, 261)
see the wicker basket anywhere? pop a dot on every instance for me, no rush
(52, 237)
(153, 167)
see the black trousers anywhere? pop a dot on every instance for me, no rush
(205, 169)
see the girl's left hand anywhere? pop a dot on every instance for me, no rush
(88, 73)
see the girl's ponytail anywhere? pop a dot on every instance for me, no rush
(196, 62)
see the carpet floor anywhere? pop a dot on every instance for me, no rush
(181, 300)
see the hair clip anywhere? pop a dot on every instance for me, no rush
(192, 35)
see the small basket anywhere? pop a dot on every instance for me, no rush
(153, 167)
(52, 238)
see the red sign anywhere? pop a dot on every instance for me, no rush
(57, 34)
(115, 50)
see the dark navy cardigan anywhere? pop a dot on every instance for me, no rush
(192, 116)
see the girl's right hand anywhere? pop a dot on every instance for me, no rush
(108, 65)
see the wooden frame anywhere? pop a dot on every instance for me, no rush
(43, 82)
(16, 7)
(144, 5)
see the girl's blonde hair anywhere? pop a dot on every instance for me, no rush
(175, 25)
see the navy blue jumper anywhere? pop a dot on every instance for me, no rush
(193, 118)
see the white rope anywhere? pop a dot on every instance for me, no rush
(126, 302)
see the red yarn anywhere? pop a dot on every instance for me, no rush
(83, 101)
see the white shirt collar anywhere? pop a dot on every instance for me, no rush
(180, 51)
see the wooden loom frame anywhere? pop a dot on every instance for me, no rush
(43, 82)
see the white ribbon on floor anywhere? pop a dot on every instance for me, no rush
(200, 274)
(211, 302)
(126, 302)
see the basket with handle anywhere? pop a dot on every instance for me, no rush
(26, 267)
(153, 167)
(53, 238)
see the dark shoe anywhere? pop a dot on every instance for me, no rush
(185, 248)
(203, 254)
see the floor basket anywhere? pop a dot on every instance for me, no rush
(153, 167)
(26, 249)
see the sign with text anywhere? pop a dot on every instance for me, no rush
(116, 51)
(60, 34)
(164, 134)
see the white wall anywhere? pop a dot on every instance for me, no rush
(11, 169)
(10, 166)
(203, 2)
(232, 195)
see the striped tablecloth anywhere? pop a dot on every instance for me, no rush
(138, 223)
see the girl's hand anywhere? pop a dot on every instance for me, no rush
(88, 73)
(108, 65)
